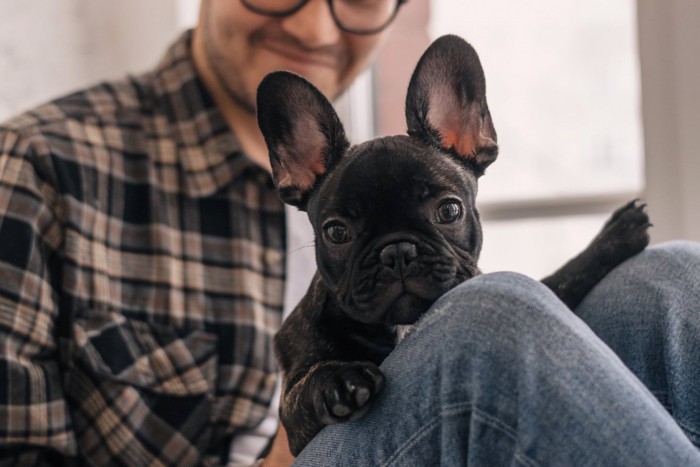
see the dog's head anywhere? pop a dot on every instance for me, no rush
(394, 217)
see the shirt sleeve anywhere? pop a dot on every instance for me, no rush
(35, 426)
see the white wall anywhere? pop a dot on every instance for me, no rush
(51, 47)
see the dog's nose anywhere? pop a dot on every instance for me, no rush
(396, 255)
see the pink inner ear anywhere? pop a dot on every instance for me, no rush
(463, 144)
(461, 129)
(303, 160)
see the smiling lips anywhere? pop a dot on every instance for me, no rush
(325, 57)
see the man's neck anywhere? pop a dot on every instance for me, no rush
(245, 126)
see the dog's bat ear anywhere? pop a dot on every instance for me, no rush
(446, 103)
(303, 133)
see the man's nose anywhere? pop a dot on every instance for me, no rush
(313, 25)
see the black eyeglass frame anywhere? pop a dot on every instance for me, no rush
(302, 3)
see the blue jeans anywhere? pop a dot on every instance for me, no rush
(500, 372)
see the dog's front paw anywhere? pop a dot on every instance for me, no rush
(626, 233)
(347, 391)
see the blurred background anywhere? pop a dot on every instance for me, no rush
(595, 103)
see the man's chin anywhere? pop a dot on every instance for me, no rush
(318, 73)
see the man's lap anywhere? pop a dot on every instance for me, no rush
(484, 337)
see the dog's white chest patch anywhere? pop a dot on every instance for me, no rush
(401, 331)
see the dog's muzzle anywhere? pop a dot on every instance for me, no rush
(397, 256)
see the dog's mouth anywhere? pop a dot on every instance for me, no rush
(406, 309)
(395, 282)
(397, 302)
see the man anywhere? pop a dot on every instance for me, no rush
(143, 245)
(142, 254)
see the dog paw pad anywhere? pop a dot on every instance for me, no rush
(347, 391)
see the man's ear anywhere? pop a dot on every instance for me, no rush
(304, 136)
(446, 103)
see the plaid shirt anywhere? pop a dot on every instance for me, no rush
(142, 267)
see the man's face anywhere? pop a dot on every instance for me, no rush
(241, 47)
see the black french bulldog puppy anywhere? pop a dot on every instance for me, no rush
(396, 227)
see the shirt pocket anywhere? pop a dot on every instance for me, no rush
(139, 390)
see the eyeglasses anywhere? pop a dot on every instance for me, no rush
(355, 16)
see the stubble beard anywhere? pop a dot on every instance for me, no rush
(230, 77)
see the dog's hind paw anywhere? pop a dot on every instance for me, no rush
(348, 391)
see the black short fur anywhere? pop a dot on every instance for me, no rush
(396, 227)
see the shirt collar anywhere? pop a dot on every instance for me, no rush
(205, 147)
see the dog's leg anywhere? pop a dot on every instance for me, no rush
(329, 366)
(623, 235)
(330, 392)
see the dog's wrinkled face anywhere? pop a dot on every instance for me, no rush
(395, 228)
(394, 217)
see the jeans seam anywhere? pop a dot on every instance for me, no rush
(496, 423)
(412, 440)
(453, 409)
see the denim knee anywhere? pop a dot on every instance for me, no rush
(646, 310)
(655, 285)
(654, 263)
(679, 249)
(501, 307)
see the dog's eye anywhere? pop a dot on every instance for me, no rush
(449, 211)
(336, 232)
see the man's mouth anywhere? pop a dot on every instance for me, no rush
(303, 58)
